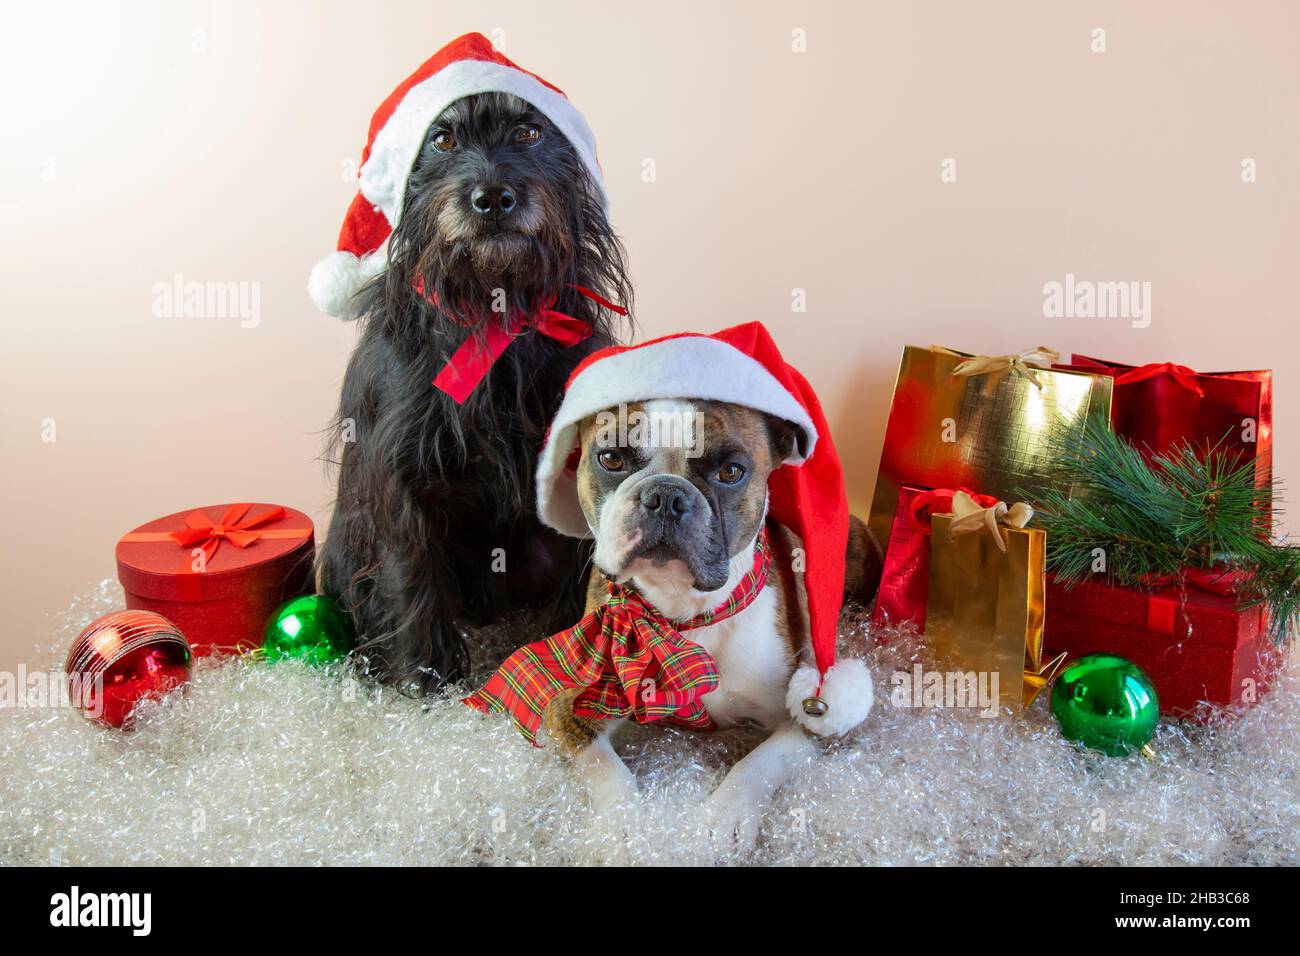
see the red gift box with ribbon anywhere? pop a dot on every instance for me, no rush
(1191, 637)
(1161, 405)
(218, 572)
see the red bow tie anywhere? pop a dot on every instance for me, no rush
(630, 660)
(469, 363)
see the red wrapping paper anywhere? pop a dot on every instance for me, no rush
(904, 579)
(1195, 646)
(1159, 406)
(218, 572)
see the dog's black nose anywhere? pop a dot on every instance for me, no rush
(668, 501)
(495, 202)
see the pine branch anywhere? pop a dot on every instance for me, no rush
(1219, 507)
(1272, 579)
(1133, 520)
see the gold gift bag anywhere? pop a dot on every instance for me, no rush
(987, 424)
(986, 604)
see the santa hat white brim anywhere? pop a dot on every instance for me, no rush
(685, 367)
(397, 146)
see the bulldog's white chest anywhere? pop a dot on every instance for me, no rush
(754, 665)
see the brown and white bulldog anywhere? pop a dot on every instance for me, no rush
(678, 456)
(676, 507)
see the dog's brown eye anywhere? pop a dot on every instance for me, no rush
(730, 473)
(611, 461)
(528, 135)
(444, 142)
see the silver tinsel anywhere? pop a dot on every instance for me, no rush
(280, 764)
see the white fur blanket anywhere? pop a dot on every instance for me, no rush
(274, 764)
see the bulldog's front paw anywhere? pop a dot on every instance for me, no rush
(734, 817)
(612, 785)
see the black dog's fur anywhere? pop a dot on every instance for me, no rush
(430, 489)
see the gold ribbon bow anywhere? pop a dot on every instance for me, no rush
(997, 367)
(969, 515)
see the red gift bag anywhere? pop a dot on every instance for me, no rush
(1159, 406)
(1196, 645)
(904, 581)
(218, 572)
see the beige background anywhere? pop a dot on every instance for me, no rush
(213, 140)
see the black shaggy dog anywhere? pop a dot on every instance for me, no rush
(434, 526)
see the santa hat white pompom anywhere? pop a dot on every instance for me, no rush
(338, 277)
(466, 66)
(846, 690)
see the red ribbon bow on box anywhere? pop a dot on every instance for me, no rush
(1181, 374)
(203, 532)
(470, 363)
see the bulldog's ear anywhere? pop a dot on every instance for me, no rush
(584, 432)
(783, 434)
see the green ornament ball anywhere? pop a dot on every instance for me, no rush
(312, 629)
(1106, 703)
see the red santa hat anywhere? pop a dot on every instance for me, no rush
(742, 366)
(465, 66)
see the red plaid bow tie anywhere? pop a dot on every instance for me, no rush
(631, 660)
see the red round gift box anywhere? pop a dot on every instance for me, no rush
(257, 556)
